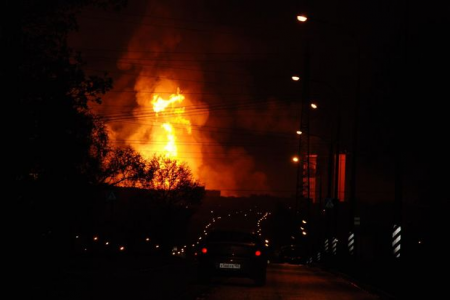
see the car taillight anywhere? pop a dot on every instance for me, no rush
(257, 253)
(204, 250)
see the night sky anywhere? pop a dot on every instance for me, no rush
(233, 62)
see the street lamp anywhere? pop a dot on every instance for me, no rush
(299, 193)
(334, 141)
(304, 125)
(302, 18)
(352, 198)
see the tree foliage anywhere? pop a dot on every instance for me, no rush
(170, 181)
(58, 135)
(173, 182)
(124, 167)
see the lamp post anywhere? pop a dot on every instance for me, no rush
(353, 178)
(334, 141)
(303, 128)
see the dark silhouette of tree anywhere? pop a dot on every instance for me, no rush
(174, 188)
(58, 141)
(58, 144)
(173, 183)
(124, 167)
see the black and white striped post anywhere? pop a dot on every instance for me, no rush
(318, 256)
(334, 246)
(351, 243)
(326, 246)
(396, 240)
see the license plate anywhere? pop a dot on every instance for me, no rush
(229, 266)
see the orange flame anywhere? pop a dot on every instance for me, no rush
(173, 115)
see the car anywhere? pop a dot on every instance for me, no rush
(232, 253)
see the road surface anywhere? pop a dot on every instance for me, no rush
(285, 282)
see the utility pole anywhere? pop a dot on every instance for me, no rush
(306, 109)
(353, 206)
(306, 126)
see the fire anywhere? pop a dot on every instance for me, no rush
(181, 126)
(171, 147)
(159, 104)
(172, 119)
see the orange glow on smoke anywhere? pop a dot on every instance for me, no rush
(161, 105)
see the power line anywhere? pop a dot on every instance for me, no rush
(124, 50)
(189, 110)
(179, 79)
(184, 28)
(166, 67)
(238, 26)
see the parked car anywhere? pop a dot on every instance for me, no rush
(232, 253)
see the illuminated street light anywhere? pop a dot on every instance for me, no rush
(295, 78)
(352, 198)
(299, 132)
(295, 159)
(302, 18)
(314, 106)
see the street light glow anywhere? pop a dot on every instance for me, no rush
(295, 159)
(295, 78)
(313, 106)
(299, 132)
(302, 18)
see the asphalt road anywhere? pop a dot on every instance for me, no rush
(285, 282)
(176, 280)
